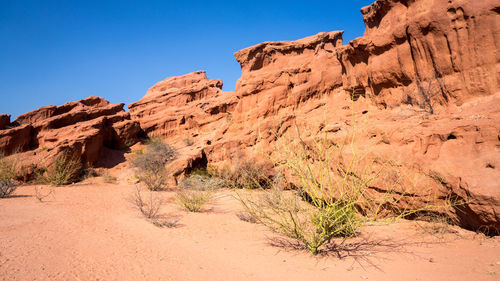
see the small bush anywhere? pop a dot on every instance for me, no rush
(7, 169)
(7, 187)
(64, 170)
(108, 178)
(245, 174)
(149, 205)
(88, 173)
(193, 200)
(150, 164)
(7, 176)
(196, 192)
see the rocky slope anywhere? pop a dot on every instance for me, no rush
(82, 128)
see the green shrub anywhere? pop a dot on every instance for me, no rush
(313, 225)
(150, 165)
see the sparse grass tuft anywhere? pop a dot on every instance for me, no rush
(88, 173)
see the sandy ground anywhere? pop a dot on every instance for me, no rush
(92, 232)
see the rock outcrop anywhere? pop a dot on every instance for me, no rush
(425, 52)
(424, 78)
(83, 128)
(189, 110)
(182, 105)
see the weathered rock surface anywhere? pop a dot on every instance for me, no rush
(182, 103)
(424, 79)
(444, 51)
(83, 127)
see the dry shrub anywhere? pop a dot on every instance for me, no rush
(108, 178)
(7, 187)
(149, 205)
(245, 173)
(150, 165)
(196, 191)
(88, 173)
(64, 170)
(7, 176)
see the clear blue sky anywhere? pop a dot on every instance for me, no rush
(52, 52)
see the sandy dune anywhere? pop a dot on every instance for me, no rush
(91, 232)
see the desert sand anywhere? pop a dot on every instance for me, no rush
(91, 231)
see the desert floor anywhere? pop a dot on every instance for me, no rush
(91, 231)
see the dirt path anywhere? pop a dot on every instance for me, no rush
(91, 232)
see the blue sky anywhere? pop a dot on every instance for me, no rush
(52, 52)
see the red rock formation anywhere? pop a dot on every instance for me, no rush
(424, 77)
(83, 127)
(182, 103)
(188, 110)
(444, 51)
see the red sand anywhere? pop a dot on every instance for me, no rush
(91, 232)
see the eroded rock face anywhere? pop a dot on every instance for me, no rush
(444, 51)
(181, 103)
(83, 127)
(283, 74)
